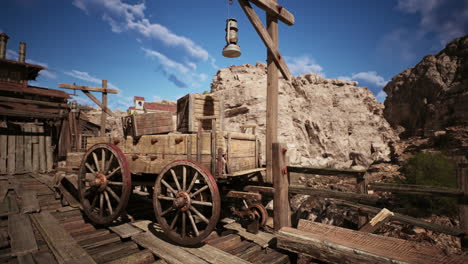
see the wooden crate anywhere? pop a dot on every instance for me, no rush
(193, 106)
(148, 124)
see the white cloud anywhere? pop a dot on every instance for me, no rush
(165, 61)
(84, 76)
(370, 77)
(448, 19)
(381, 96)
(123, 16)
(302, 65)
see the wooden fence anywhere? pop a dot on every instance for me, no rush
(361, 200)
(25, 147)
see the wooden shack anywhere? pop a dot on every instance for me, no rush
(30, 116)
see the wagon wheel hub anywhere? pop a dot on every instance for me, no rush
(100, 181)
(182, 201)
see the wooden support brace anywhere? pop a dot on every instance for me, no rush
(87, 88)
(273, 8)
(267, 40)
(92, 97)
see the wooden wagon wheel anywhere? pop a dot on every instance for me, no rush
(104, 183)
(186, 202)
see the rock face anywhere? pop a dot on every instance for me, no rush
(432, 95)
(325, 122)
(113, 123)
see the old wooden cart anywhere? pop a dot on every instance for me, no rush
(191, 175)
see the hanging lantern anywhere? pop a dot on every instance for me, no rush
(231, 50)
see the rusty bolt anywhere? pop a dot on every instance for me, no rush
(116, 141)
(153, 158)
(154, 140)
(284, 171)
(284, 150)
(178, 140)
(134, 157)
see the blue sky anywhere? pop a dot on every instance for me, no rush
(166, 49)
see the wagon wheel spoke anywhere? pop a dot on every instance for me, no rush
(167, 211)
(199, 191)
(108, 163)
(184, 178)
(169, 187)
(174, 176)
(90, 168)
(199, 214)
(194, 226)
(201, 203)
(103, 160)
(101, 204)
(192, 183)
(96, 162)
(115, 183)
(184, 222)
(113, 194)
(175, 220)
(113, 172)
(109, 205)
(93, 204)
(162, 197)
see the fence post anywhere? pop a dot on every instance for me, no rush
(462, 179)
(282, 216)
(361, 187)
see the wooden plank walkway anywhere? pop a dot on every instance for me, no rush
(339, 245)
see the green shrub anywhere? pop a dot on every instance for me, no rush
(433, 169)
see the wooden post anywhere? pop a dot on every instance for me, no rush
(11, 153)
(282, 216)
(35, 148)
(3, 153)
(272, 96)
(361, 187)
(42, 153)
(104, 104)
(19, 151)
(27, 148)
(48, 150)
(462, 179)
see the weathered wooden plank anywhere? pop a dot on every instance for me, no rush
(361, 198)
(87, 88)
(29, 201)
(11, 154)
(125, 230)
(62, 245)
(377, 221)
(69, 197)
(327, 171)
(35, 148)
(27, 148)
(462, 182)
(405, 219)
(99, 241)
(169, 252)
(41, 149)
(339, 245)
(9, 205)
(4, 186)
(141, 257)
(226, 241)
(262, 239)
(214, 255)
(266, 38)
(21, 234)
(48, 151)
(244, 172)
(19, 113)
(276, 10)
(35, 102)
(409, 188)
(3, 153)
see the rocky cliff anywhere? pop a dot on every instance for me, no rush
(325, 122)
(433, 94)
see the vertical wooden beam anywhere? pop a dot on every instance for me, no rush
(104, 104)
(35, 148)
(27, 148)
(282, 216)
(11, 153)
(19, 151)
(48, 151)
(41, 152)
(462, 179)
(3, 153)
(272, 96)
(361, 187)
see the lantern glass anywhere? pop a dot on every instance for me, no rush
(231, 50)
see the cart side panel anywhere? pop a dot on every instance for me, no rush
(240, 150)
